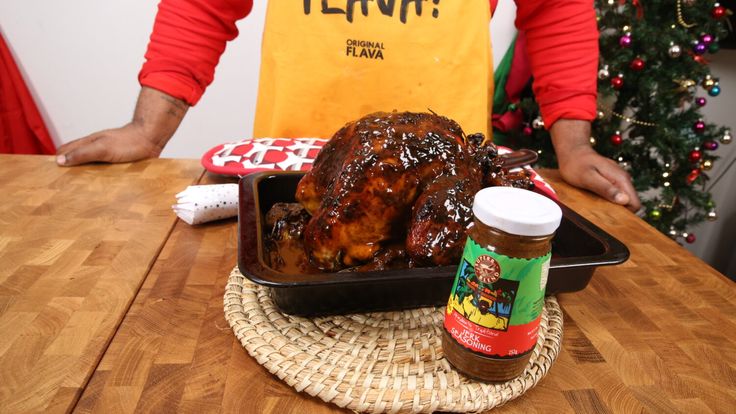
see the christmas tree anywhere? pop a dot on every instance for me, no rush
(653, 81)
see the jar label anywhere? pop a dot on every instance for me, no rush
(496, 302)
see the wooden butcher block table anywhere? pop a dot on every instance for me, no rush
(656, 334)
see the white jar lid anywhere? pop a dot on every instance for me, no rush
(517, 211)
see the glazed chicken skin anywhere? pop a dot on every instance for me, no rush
(394, 176)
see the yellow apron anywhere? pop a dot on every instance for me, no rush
(328, 62)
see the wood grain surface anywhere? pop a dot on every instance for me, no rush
(75, 246)
(656, 334)
(176, 352)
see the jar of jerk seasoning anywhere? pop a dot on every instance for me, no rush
(492, 317)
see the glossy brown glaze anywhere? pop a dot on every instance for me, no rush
(394, 176)
(285, 241)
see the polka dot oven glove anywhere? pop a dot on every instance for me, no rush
(199, 204)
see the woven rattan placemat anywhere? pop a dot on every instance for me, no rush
(376, 362)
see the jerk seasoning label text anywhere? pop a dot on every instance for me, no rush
(385, 7)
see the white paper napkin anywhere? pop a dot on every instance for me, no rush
(202, 203)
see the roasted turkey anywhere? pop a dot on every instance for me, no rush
(394, 184)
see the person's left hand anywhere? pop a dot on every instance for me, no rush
(580, 165)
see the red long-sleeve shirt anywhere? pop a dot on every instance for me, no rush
(190, 35)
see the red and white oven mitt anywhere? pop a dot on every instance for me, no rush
(200, 204)
(263, 154)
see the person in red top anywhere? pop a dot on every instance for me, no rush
(190, 35)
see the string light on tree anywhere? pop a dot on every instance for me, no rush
(680, 20)
(668, 207)
(672, 233)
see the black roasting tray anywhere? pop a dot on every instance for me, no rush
(578, 248)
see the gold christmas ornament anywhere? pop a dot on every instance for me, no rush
(726, 138)
(706, 165)
(684, 84)
(708, 82)
(712, 215)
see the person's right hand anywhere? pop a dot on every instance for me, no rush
(156, 118)
(125, 144)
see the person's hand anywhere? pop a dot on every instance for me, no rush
(585, 168)
(156, 118)
(125, 144)
(580, 165)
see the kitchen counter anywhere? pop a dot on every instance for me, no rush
(110, 304)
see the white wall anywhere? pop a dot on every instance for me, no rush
(81, 59)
